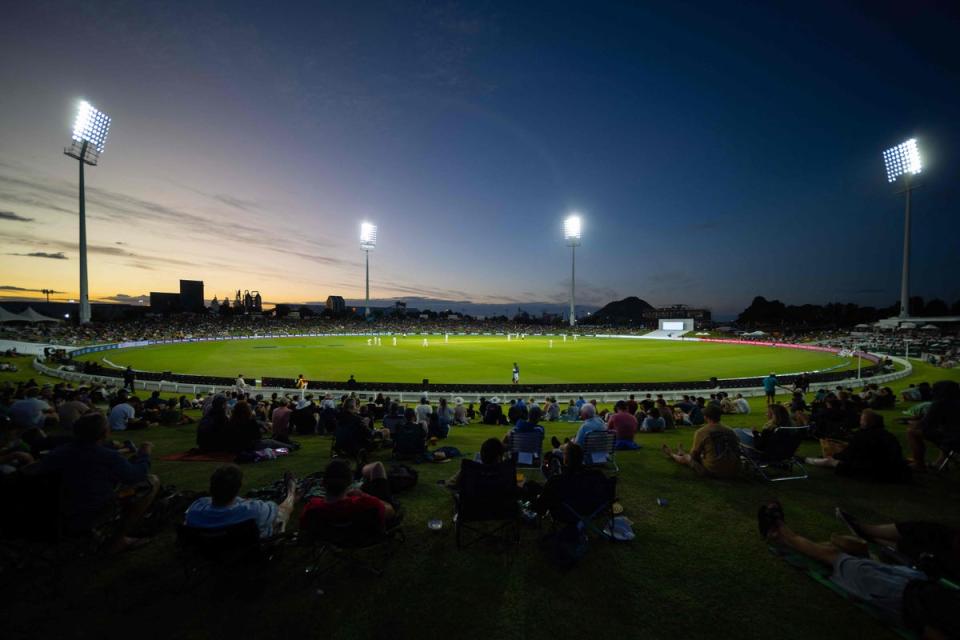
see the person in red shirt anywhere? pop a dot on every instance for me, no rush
(341, 504)
(624, 424)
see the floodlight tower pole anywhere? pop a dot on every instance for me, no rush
(84, 292)
(573, 282)
(366, 312)
(905, 274)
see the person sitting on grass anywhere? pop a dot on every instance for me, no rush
(172, 415)
(741, 405)
(410, 437)
(530, 424)
(591, 423)
(940, 424)
(97, 480)
(224, 508)
(280, 420)
(715, 451)
(460, 413)
(901, 594)
(246, 433)
(341, 504)
(873, 453)
(624, 424)
(126, 415)
(666, 413)
(777, 417)
(394, 418)
(654, 422)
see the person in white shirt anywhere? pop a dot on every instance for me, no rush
(122, 416)
(741, 404)
(223, 508)
(424, 411)
(241, 384)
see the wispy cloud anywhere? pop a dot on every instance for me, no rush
(128, 299)
(10, 215)
(41, 254)
(10, 287)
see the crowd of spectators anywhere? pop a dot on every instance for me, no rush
(76, 434)
(178, 327)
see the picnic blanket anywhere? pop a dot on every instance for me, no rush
(195, 455)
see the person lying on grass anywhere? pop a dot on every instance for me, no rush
(715, 451)
(929, 543)
(224, 507)
(902, 595)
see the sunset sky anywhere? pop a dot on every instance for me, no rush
(716, 153)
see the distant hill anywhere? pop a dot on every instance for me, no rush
(627, 311)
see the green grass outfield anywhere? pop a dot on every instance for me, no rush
(697, 568)
(470, 359)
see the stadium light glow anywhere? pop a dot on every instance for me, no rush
(902, 160)
(90, 128)
(91, 125)
(368, 241)
(572, 228)
(368, 236)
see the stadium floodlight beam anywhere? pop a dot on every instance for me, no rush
(90, 130)
(904, 160)
(571, 233)
(368, 242)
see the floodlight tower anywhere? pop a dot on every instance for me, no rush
(368, 241)
(571, 233)
(904, 160)
(89, 136)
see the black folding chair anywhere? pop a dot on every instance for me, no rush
(585, 499)
(343, 539)
(951, 452)
(777, 460)
(228, 552)
(599, 450)
(409, 442)
(487, 502)
(526, 450)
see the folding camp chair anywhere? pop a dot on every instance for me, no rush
(526, 450)
(343, 539)
(777, 460)
(586, 500)
(487, 494)
(951, 453)
(409, 442)
(599, 450)
(228, 552)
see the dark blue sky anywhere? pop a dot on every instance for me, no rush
(717, 151)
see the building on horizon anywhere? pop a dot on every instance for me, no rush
(161, 302)
(678, 311)
(191, 296)
(336, 305)
(189, 299)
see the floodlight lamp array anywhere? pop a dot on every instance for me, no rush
(902, 159)
(368, 236)
(572, 229)
(91, 125)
